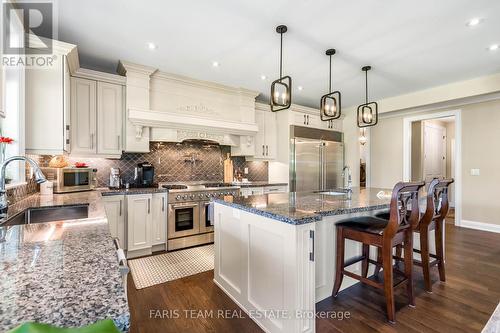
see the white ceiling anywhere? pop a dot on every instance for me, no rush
(410, 45)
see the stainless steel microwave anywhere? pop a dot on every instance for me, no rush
(71, 179)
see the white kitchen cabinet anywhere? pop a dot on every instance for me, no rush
(83, 116)
(307, 119)
(115, 213)
(139, 222)
(46, 115)
(266, 139)
(332, 125)
(275, 189)
(109, 118)
(97, 110)
(159, 218)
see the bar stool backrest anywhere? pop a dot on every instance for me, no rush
(437, 201)
(404, 207)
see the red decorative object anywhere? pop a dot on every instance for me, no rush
(80, 165)
(6, 140)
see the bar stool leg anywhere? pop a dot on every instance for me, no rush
(388, 282)
(408, 259)
(339, 264)
(379, 260)
(424, 254)
(364, 265)
(440, 249)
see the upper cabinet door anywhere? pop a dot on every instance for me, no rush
(271, 135)
(109, 118)
(260, 138)
(83, 116)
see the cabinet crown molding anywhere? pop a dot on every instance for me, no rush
(203, 84)
(126, 66)
(100, 76)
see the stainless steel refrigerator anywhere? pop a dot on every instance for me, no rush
(317, 159)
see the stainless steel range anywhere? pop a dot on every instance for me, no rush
(189, 221)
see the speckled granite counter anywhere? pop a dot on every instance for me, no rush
(131, 191)
(64, 273)
(307, 207)
(258, 184)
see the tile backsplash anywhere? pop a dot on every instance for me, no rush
(174, 162)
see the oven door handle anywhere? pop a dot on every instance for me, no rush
(184, 206)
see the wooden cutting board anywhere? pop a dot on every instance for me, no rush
(228, 170)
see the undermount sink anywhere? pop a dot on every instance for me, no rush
(49, 214)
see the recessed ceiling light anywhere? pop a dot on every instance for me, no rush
(152, 46)
(263, 77)
(474, 21)
(215, 64)
(300, 88)
(494, 47)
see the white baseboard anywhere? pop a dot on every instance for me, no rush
(480, 226)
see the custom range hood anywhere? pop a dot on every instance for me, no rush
(168, 107)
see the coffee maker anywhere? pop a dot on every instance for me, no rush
(144, 174)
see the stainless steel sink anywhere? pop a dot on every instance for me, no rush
(49, 214)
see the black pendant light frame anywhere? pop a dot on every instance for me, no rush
(335, 96)
(367, 112)
(284, 81)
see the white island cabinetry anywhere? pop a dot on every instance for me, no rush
(266, 267)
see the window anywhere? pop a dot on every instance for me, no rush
(12, 117)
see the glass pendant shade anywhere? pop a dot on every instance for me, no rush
(281, 93)
(330, 106)
(331, 103)
(368, 112)
(362, 138)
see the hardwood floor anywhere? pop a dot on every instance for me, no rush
(463, 304)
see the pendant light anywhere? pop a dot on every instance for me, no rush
(330, 104)
(367, 112)
(281, 89)
(362, 137)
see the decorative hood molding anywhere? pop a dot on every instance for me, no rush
(163, 106)
(186, 121)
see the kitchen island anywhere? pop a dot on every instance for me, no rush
(63, 273)
(275, 253)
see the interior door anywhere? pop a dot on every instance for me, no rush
(307, 165)
(333, 162)
(434, 151)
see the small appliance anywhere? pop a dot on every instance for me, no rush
(70, 179)
(114, 178)
(145, 174)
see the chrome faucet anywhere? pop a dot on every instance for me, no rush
(349, 177)
(39, 178)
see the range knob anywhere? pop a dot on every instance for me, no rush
(178, 197)
(200, 195)
(207, 195)
(185, 196)
(192, 196)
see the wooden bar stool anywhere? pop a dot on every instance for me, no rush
(432, 219)
(384, 234)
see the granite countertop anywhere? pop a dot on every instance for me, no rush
(63, 273)
(131, 191)
(258, 184)
(306, 207)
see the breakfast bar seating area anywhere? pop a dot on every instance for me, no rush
(394, 229)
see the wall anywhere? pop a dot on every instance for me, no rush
(480, 130)
(416, 150)
(172, 162)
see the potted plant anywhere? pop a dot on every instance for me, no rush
(4, 141)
